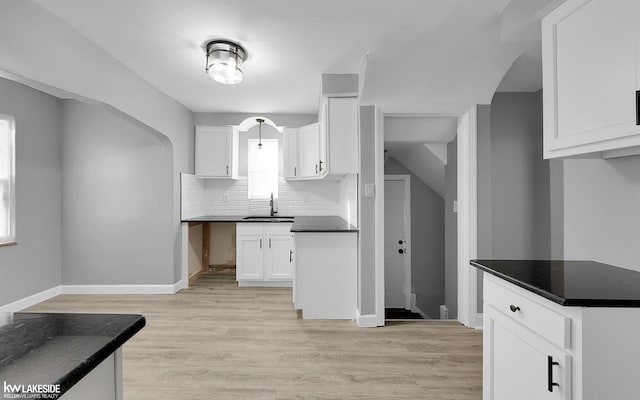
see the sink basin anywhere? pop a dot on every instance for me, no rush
(267, 218)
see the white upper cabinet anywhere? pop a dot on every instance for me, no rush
(340, 149)
(591, 75)
(216, 153)
(290, 153)
(309, 151)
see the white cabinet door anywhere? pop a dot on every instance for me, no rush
(279, 257)
(323, 137)
(591, 74)
(290, 153)
(216, 152)
(518, 363)
(249, 257)
(342, 136)
(309, 138)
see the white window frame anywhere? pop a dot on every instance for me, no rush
(264, 141)
(11, 237)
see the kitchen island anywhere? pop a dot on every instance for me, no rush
(560, 330)
(65, 356)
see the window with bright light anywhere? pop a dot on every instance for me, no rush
(263, 169)
(7, 178)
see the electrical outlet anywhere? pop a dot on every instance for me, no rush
(455, 206)
(226, 197)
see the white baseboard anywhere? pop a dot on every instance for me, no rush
(478, 321)
(121, 289)
(91, 289)
(367, 321)
(415, 309)
(32, 300)
(285, 284)
(181, 284)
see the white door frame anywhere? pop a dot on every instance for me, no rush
(467, 218)
(407, 234)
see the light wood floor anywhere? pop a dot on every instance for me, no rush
(218, 341)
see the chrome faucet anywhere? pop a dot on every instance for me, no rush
(273, 213)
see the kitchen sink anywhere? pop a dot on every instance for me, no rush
(267, 218)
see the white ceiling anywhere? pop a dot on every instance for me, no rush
(435, 56)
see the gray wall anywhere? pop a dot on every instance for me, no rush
(366, 214)
(451, 230)
(34, 264)
(520, 194)
(428, 242)
(602, 210)
(289, 120)
(117, 200)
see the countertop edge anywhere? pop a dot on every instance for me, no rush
(83, 369)
(531, 288)
(571, 302)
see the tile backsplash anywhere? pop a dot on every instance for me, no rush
(229, 197)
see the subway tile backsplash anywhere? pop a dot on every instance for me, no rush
(229, 197)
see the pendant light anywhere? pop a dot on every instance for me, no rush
(224, 61)
(260, 121)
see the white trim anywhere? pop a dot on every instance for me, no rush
(479, 319)
(367, 320)
(467, 217)
(407, 234)
(121, 289)
(415, 309)
(184, 254)
(32, 300)
(379, 215)
(281, 284)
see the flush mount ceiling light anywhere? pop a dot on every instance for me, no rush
(224, 61)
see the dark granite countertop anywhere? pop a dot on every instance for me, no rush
(52, 348)
(570, 283)
(327, 223)
(324, 223)
(217, 218)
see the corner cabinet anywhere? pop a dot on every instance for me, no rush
(329, 148)
(591, 77)
(536, 349)
(339, 133)
(264, 254)
(216, 152)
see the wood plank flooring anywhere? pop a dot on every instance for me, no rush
(218, 341)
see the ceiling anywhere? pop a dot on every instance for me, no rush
(416, 56)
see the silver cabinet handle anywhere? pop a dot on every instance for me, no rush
(290, 256)
(295, 171)
(227, 170)
(269, 242)
(260, 243)
(320, 165)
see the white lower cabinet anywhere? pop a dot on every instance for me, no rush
(264, 254)
(536, 349)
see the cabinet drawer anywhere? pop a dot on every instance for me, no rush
(249, 228)
(554, 327)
